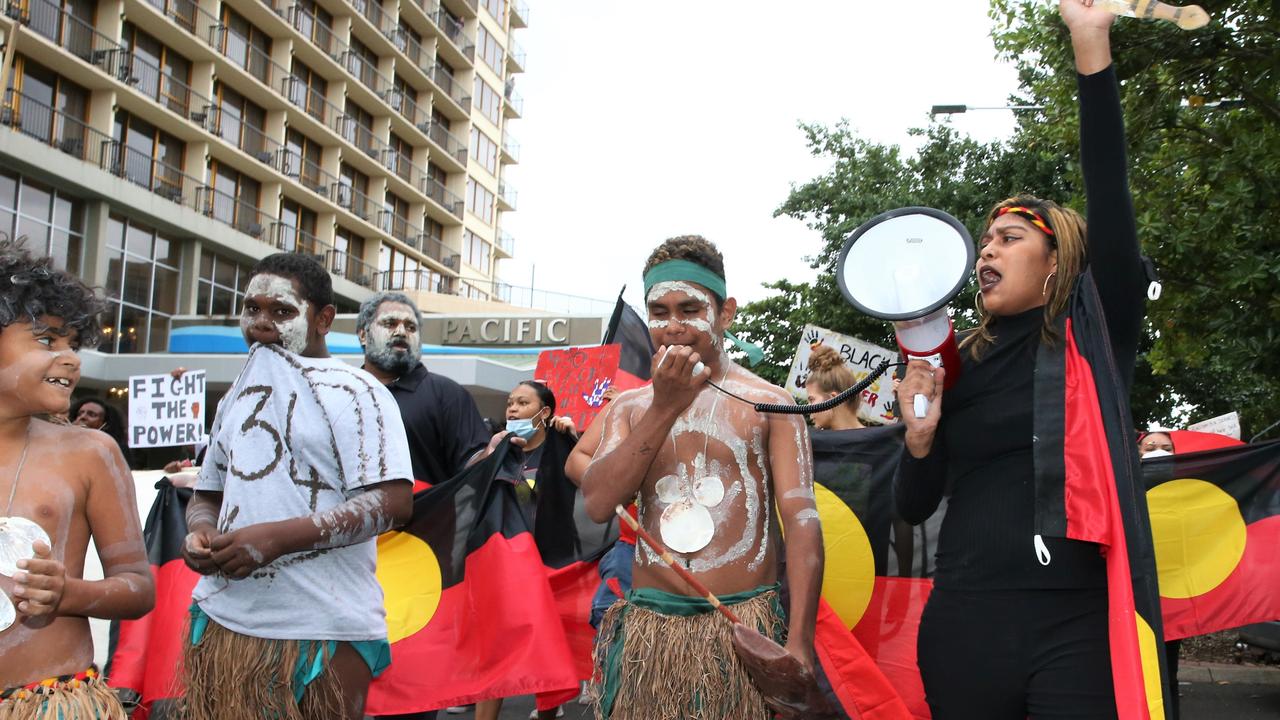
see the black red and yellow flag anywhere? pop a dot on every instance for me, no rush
(470, 613)
(146, 652)
(1215, 517)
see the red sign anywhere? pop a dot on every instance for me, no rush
(579, 377)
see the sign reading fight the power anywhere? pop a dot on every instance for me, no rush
(166, 410)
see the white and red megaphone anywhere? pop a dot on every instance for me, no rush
(904, 266)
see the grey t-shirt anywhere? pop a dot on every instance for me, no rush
(297, 436)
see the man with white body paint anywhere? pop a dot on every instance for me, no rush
(307, 464)
(60, 487)
(707, 472)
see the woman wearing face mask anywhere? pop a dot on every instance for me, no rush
(1045, 530)
(548, 440)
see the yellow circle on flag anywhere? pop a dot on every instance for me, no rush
(410, 578)
(1199, 536)
(850, 572)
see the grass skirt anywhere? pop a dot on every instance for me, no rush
(666, 657)
(229, 676)
(77, 697)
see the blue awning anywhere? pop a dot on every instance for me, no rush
(225, 340)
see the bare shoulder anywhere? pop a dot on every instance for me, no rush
(634, 399)
(71, 438)
(755, 388)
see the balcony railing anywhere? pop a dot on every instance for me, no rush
(185, 13)
(451, 88)
(73, 137)
(506, 243)
(435, 249)
(360, 205)
(364, 71)
(453, 32)
(313, 29)
(306, 172)
(399, 227)
(362, 137)
(511, 148)
(408, 109)
(167, 90)
(447, 142)
(514, 106)
(411, 48)
(416, 280)
(507, 194)
(312, 101)
(252, 59)
(290, 239)
(60, 27)
(519, 14)
(515, 55)
(345, 265)
(371, 10)
(236, 131)
(433, 189)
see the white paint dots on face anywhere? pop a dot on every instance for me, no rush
(657, 292)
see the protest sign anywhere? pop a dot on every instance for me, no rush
(860, 357)
(579, 377)
(1228, 425)
(166, 410)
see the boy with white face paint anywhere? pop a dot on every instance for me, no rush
(307, 464)
(707, 473)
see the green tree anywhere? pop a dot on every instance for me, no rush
(1203, 119)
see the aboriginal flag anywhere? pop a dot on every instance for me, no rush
(1215, 519)
(628, 329)
(469, 611)
(146, 652)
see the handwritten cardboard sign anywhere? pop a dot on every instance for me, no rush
(165, 411)
(860, 357)
(579, 377)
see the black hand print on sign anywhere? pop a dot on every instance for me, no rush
(254, 422)
(811, 336)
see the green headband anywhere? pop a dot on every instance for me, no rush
(685, 271)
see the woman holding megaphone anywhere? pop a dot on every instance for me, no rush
(1042, 598)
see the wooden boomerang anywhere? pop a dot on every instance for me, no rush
(1189, 17)
(788, 687)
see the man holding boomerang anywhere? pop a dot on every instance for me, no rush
(707, 472)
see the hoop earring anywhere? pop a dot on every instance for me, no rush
(977, 302)
(1045, 290)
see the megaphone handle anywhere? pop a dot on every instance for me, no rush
(920, 405)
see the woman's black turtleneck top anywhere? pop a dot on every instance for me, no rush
(981, 454)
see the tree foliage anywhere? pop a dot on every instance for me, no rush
(1202, 110)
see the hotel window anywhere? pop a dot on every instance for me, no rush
(297, 229)
(472, 292)
(307, 89)
(158, 71)
(402, 159)
(357, 127)
(363, 63)
(435, 231)
(303, 160)
(240, 121)
(353, 191)
(143, 268)
(488, 101)
(68, 23)
(221, 285)
(489, 49)
(46, 106)
(476, 251)
(147, 156)
(234, 199)
(479, 201)
(409, 42)
(315, 23)
(402, 272)
(245, 45)
(348, 251)
(497, 9)
(51, 222)
(396, 221)
(484, 151)
(404, 100)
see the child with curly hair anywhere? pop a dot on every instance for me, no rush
(60, 485)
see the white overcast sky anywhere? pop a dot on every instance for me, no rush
(648, 119)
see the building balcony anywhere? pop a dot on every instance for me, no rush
(510, 150)
(514, 106)
(440, 195)
(287, 238)
(411, 49)
(435, 249)
(345, 265)
(318, 34)
(459, 45)
(506, 245)
(515, 56)
(506, 196)
(362, 137)
(453, 90)
(310, 100)
(453, 148)
(308, 174)
(370, 10)
(365, 72)
(353, 201)
(417, 281)
(519, 14)
(245, 56)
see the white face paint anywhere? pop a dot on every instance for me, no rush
(293, 332)
(394, 348)
(657, 292)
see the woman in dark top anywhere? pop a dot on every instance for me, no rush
(1017, 624)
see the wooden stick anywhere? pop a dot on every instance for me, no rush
(671, 563)
(1188, 17)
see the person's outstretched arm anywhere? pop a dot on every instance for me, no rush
(791, 469)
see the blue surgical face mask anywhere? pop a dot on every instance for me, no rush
(522, 427)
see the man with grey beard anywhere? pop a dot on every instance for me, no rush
(444, 427)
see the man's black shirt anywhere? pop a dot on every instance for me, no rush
(442, 422)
